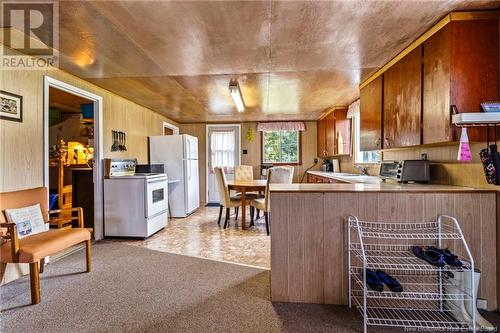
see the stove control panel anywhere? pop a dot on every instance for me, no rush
(114, 167)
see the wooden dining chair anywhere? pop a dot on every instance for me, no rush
(242, 173)
(225, 199)
(275, 175)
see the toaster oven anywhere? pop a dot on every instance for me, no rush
(406, 171)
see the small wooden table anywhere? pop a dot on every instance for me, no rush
(245, 186)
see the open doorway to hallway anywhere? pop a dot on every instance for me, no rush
(71, 154)
(73, 151)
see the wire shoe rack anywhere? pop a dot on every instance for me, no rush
(430, 294)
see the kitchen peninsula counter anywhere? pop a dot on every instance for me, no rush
(389, 187)
(309, 234)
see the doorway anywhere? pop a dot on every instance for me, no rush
(73, 150)
(169, 129)
(223, 149)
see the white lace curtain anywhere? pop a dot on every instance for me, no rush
(222, 147)
(353, 110)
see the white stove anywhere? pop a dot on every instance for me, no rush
(135, 204)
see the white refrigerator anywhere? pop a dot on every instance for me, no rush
(179, 154)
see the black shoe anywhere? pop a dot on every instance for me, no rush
(433, 257)
(449, 257)
(373, 281)
(389, 281)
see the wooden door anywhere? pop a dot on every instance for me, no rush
(330, 134)
(474, 68)
(371, 115)
(403, 102)
(342, 133)
(321, 138)
(436, 81)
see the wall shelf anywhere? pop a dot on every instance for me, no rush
(476, 119)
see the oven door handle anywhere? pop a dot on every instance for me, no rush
(153, 181)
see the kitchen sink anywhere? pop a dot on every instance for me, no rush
(345, 174)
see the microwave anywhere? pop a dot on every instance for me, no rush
(406, 171)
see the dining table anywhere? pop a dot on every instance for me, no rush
(244, 186)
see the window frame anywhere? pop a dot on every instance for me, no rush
(280, 163)
(357, 152)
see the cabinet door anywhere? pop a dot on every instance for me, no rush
(330, 134)
(321, 138)
(403, 101)
(436, 96)
(342, 133)
(371, 115)
(474, 68)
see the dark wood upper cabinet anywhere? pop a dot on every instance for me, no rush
(321, 138)
(460, 68)
(474, 68)
(436, 81)
(342, 133)
(370, 104)
(402, 111)
(328, 134)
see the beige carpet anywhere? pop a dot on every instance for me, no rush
(132, 289)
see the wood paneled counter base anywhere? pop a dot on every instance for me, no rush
(308, 238)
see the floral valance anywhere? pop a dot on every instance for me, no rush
(281, 126)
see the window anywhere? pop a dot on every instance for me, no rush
(362, 156)
(222, 148)
(281, 147)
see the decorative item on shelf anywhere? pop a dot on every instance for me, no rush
(119, 141)
(11, 106)
(490, 106)
(250, 135)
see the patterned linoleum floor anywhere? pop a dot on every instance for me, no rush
(199, 235)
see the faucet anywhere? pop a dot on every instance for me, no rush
(362, 169)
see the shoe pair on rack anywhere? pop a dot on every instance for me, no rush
(376, 281)
(435, 256)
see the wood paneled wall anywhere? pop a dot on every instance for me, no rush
(253, 156)
(309, 239)
(21, 144)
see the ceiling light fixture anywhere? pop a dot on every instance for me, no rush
(234, 90)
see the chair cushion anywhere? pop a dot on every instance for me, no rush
(33, 248)
(259, 204)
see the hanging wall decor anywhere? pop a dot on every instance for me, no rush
(11, 106)
(250, 135)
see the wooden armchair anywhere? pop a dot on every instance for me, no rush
(33, 249)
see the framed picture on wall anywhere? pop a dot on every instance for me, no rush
(11, 106)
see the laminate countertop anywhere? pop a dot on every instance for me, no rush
(366, 187)
(347, 177)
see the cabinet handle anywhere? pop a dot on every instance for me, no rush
(377, 142)
(387, 142)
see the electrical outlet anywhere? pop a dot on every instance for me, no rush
(315, 160)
